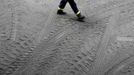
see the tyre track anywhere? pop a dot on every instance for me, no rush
(51, 44)
(15, 51)
(100, 61)
(14, 56)
(55, 38)
(6, 22)
(123, 19)
(123, 67)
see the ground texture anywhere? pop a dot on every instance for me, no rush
(34, 40)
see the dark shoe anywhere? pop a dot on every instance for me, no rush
(80, 17)
(61, 12)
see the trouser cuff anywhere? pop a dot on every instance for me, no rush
(60, 8)
(78, 13)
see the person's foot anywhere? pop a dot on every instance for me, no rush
(61, 12)
(80, 17)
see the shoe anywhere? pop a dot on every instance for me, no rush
(61, 12)
(80, 17)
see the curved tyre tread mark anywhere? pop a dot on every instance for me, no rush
(15, 54)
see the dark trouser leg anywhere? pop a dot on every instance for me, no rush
(63, 4)
(73, 6)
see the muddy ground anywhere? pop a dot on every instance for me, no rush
(34, 40)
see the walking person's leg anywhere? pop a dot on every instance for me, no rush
(73, 6)
(75, 9)
(63, 4)
(61, 7)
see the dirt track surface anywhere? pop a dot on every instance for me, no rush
(34, 40)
